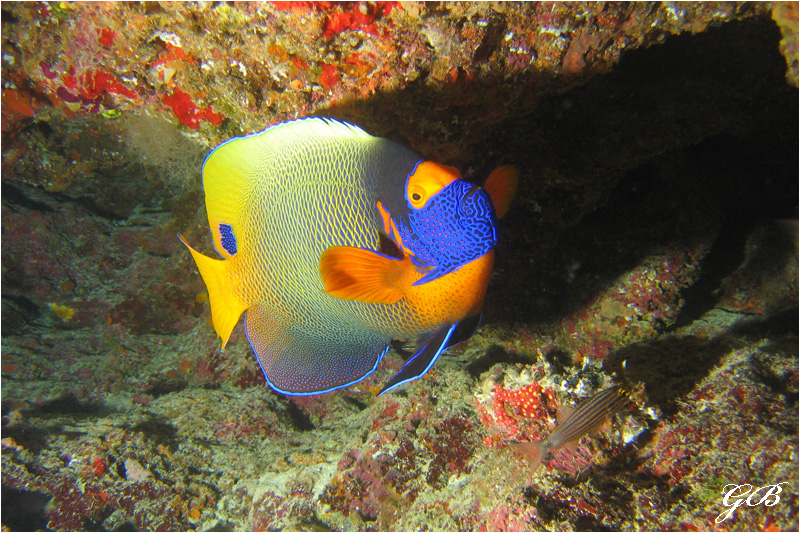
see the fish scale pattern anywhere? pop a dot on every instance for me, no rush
(318, 364)
(304, 339)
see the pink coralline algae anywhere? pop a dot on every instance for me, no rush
(344, 16)
(329, 76)
(360, 488)
(639, 304)
(506, 517)
(376, 483)
(349, 16)
(452, 448)
(83, 503)
(714, 441)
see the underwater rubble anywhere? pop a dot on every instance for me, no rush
(653, 243)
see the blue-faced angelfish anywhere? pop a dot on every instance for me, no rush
(335, 242)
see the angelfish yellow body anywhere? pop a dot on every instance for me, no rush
(294, 213)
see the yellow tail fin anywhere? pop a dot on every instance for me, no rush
(225, 307)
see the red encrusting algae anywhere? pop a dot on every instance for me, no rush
(188, 113)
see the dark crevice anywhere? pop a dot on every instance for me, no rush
(726, 254)
(782, 322)
(164, 386)
(157, 431)
(494, 355)
(24, 510)
(14, 196)
(91, 205)
(358, 404)
(670, 367)
(494, 34)
(712, 146)
(23, 303)
(299, 419)
(18, 313)
(69, 406)
(29, 437)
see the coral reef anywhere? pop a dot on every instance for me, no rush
(653, 242)
(196, 66)
(785, 14)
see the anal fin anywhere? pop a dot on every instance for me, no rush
(302, 359)
(465, 329)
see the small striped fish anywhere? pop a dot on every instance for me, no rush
(589, 416)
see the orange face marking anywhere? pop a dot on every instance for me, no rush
(428, 179)
(386, 217)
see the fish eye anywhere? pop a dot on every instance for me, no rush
(427, 179)
(417, 195)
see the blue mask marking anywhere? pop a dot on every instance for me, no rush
(456, 226)
(227, 238)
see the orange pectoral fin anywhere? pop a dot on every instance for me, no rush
(364, 276)
(501, 185)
